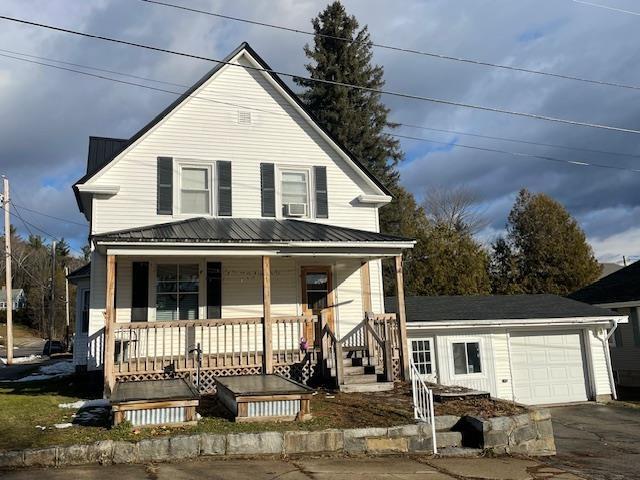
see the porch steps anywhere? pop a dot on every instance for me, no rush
(360, 375)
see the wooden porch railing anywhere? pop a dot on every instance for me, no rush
(155, 347)
(331, 353)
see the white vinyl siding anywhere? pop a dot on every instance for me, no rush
(501, 355)
(203, 130)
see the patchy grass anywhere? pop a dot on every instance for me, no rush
(24, 406)
(19, 332)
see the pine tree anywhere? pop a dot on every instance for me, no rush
(547, 250)
(358, 119)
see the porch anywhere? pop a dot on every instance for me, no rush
(323, 341)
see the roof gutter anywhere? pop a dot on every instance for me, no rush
(296, 244)
(464, 324)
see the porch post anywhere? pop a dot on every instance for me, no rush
(402, 317)
(109, 320)
(365, 282)
(267, 350)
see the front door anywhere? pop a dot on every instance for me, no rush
(317, 294)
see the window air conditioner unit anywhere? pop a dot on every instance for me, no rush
(295, 209)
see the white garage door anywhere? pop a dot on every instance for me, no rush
(548, 368)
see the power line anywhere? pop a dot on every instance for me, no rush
(147, 79)
(515, 140)
(47, 215)
(606, 7)
(57, 239)
(457, 132)
(580, 163)
(520, 154)
(331, 82)
(401, 49)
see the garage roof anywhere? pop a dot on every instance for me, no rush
(495, 307)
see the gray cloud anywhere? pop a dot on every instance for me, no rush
(47, 115)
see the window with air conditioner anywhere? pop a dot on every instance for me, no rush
(295, 193)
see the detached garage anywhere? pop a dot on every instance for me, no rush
(532, 349)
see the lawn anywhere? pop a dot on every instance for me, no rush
(27, 407)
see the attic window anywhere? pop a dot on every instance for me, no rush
(244, 117)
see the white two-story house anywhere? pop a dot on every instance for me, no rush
(234, 224)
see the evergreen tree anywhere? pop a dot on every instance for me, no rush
(62, 248)
(545, 250)
(358, 119)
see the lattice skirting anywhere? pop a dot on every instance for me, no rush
(396, 369)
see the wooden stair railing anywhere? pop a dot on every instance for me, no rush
(330, 349)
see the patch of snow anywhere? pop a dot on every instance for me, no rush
(41, 427)
(47, 372)
(63, 425)
(30, 358)
(86, 404)
(198, 416)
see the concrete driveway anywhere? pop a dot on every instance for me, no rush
(597, 441)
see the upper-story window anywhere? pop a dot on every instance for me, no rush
(295, 193)
(195, 190)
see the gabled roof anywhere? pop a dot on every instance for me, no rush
(618, 287)
(495, 307)
(15, 293)
(197, 85)
(245, 230)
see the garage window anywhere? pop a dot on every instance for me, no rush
(421, 351)
(466, 358)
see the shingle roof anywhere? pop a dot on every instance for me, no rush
(83, 271)
(246, 230)
(494, 307)
(620, 286)
(198, 84)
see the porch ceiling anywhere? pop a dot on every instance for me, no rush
(294, 235)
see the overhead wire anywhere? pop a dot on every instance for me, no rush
(399, 49)
(517, 154)
(331, 82)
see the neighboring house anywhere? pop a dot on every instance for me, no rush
(81, 278)
(532, 349)
(620, 291)
(608, 269)
(18, 298)
(232, 222)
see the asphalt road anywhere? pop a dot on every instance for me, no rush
(601, 442)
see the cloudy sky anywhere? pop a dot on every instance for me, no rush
(47, 115)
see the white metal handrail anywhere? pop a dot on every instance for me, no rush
(422, 402)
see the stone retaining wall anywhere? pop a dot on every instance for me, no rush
(527, 434)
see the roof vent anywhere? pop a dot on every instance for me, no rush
(244, 117)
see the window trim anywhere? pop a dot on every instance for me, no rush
(466, 357)
(431, 362)
(307, 171)
(179, 164)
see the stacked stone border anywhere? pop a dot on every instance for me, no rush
(529, 434)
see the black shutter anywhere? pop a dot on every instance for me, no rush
(224, 189)
(268, 187)
(165, 185)
(322, 207)
(214, 290)
(139, 291)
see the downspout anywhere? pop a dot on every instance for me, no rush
(607, 357)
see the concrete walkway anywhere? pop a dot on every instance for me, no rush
(318, 468)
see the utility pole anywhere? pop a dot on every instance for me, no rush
(66, 304)
(52, 298)
(624, 260)
(7, 257)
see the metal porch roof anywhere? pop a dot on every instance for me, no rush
(246, 230)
